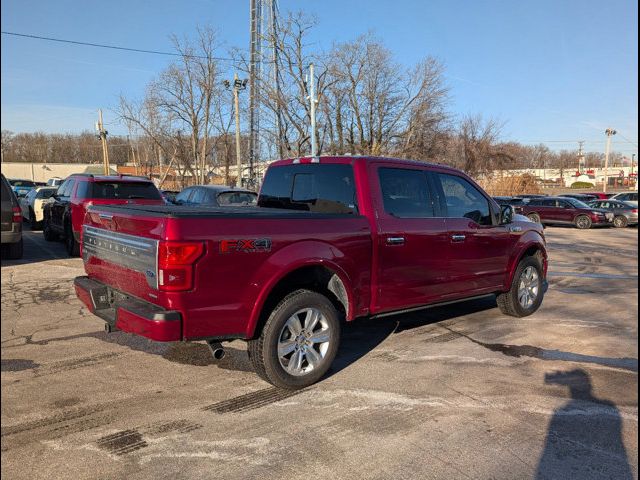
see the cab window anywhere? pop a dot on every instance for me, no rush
(405, 193)
(463, 200)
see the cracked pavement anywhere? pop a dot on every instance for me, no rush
(454, 392)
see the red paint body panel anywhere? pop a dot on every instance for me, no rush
(230, 289)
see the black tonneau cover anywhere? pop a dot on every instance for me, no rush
(180, 211)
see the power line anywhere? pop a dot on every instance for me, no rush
(116, 47)
(628, 141)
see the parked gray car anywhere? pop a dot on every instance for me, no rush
(11, 222)
(625, 213)
(216, 196)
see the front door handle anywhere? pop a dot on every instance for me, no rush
(395, 240)
(458, 238)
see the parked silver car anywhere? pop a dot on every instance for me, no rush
(625, 213)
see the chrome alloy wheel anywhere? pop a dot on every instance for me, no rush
(529, 287)
(303, 342)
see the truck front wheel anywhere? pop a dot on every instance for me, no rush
(299, 341)
(527, 290)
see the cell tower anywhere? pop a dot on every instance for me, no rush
(261, 11)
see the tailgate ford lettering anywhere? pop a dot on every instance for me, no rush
(135, 253)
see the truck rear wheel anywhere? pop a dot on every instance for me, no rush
(527, 290)
(299, 341)
(73, 247)
(47, 231)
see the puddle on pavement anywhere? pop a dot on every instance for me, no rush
(605, 276)
(17, 364)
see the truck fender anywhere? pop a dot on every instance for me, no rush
(527, 242)
(289, 259)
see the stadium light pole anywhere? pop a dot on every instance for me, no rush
(237, 86)
(609, 132)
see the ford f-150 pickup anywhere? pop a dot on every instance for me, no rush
(331, 239)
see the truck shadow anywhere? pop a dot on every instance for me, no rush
(363, 335)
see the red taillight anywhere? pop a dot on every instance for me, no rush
(175, 264)
(17, 215)
(635, 210)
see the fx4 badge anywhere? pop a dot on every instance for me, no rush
(248, 245)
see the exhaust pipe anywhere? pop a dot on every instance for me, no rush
(108, 328)
(216, 350)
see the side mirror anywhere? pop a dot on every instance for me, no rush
(506, 214)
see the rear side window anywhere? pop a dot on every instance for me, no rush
(323, 188)
(83, 190)
(124, 190)
(237, 198)
(66, 188)
(199, 196)
(464, 200)
(183, 196)
(405, 193)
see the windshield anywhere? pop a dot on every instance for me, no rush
(125, 190)
(22, 183)
(576, 203)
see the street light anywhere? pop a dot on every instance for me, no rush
(609, 132)
(237, 85)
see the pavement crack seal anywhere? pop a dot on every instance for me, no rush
(517, 351)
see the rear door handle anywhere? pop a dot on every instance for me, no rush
(458, 238)
(395, 240)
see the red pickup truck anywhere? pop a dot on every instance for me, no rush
(331, 238)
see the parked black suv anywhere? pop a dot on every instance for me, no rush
(11, 222)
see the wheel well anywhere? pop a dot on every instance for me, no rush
(533, 251)
(316, 278)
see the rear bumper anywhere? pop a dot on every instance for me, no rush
(129, 314)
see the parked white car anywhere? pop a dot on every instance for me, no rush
(629, 197)
(32, 205)
(55, 182)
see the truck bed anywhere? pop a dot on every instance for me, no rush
(178, 211)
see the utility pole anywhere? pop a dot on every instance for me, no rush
(312, 99)
(633, 158)
(580, 154)
(609, 132)
(102, 134)
(237, 86)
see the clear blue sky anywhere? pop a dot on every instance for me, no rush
(551, 70)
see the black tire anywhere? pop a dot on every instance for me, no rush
(73, 247)
(534, 217)
(620, 221)
(583, 222)
(47, 232)
(263, 351)
(508, 301)
(15, 250)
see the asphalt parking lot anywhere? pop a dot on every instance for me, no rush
(455, 392)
